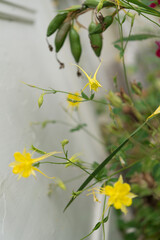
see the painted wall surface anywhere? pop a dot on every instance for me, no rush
(26, 211)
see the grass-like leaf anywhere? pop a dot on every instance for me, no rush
(137, 37)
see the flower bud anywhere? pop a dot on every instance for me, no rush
(136, 88)
(40, 100)
(64, 142)
(114, 99)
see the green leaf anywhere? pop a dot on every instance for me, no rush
(140, 4)
(92, 96)
(117, 46)
(97, 226)
(84, 96)
(102, 173)
(135, 37)
(141, 7)
(71, 9)
(37, 150)
(105, 219)
(78, 127)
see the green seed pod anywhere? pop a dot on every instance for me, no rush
(61, 35)
(75, 44)
(101, 27)
(94, 3)
(95, 39)
(56, 23)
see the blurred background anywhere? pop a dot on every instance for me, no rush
(26, 210)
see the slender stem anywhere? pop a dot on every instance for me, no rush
(150, 20)
(53, 91)
(75, 178)
(142, 14)
(42, 152)
(122, 169)
(123, 50)
(125, 77)
(85, 130)
(104, 205)
(52, 163)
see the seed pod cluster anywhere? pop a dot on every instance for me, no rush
(95, 39)
(75, 44)
(62, 24)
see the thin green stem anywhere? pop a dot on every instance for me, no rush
(79, 166)
(123, 52)
(75, 178)
(52, 162)
(125, 76)
(122, 169)
(53, 91)
(84, 129)
(142, 14)
(104, 207)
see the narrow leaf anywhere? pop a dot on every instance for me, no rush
(136, 37)
(144, 6)
(84, 96)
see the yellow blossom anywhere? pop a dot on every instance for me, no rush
(119, 195)
(73, 159)
(61, 184)
(157, 111)
(93, 83)
(74, 99)
(24, 164)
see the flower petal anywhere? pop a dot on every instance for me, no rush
(107, 190)
(36, 169)
(117, 204)
(95, 75)
(157, 111)
(82, 71)
(123, 209)
(131, 195)
(19, 157)
(126, 201)
(120, 179)
(34, 160)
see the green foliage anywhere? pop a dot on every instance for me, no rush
(78, 127)
(101, 174)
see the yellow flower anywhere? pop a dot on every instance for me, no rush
(93, 83)
(61, 184)
(74, 100)
(119, 195)
(157, 111)
(73, 159)
(24, 164)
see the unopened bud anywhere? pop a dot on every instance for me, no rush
(64, 142)
(100, 5)
(136, 89)
(61, 184)
(40, 100)
(114, 99)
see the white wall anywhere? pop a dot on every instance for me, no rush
(26, 212)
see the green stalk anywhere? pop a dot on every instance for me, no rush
(104, 204)
(123, 49)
